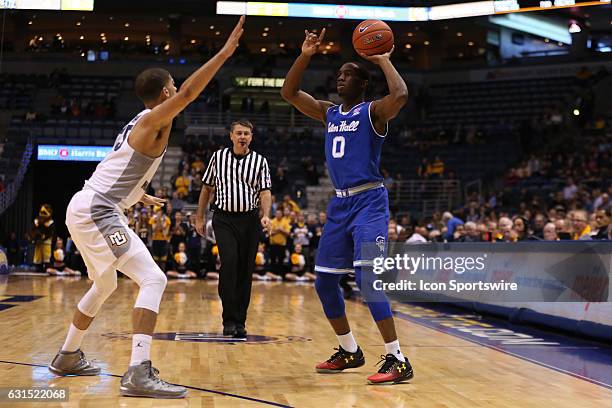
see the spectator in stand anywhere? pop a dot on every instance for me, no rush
(74, 260)
(196, 186)
(436, 168)
(422, 169)
(451, 223)
(142, 225)
(301, 235)
(279, 181)
(393, 236)
(310, 171)
(539, 221)
(419, 236)
(471, 233)
(520, 227)
(179, 265)
(261, 266)
(299, 273)
(183, 184)
(177, 202)
(550, 232)
(602, 202)
(12, 249)
(582, 229)
(602, 221)
(278, 243)
(506, 231)
(58, 266)
(570, 190)
(198, 165)
(178, 231)
(563, 229)
(288, 203)
(160, 226)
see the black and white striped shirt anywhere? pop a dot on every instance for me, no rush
(238, 180)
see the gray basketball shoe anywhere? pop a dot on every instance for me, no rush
(72, 363)
(142, 381)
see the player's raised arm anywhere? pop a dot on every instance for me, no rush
(385, 109)
(163, 114)
(291, 91)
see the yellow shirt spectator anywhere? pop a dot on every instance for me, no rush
(436, 168)
(161, 227)
(278, 238)
(182, 184)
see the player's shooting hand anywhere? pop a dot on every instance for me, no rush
(312, 42)
(377, 59)
(151, 200)
(233, 40)
(266, 224)
(200, 223)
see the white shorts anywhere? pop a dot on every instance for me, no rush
(101, 233)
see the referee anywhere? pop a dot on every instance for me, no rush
(240, 179)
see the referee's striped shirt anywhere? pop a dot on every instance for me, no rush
(238, 180)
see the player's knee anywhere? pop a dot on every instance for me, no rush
(328, 289)
(156, 281)
(380, 310)
(105, 287)
(95, 297)
(327, 283)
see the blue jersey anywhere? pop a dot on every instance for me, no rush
(352, 147)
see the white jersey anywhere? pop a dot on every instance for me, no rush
(124, 174)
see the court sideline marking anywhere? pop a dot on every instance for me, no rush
(408, 318)
(225, 394)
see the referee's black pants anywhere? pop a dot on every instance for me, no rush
(237, 237)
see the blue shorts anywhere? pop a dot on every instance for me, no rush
(351, 222)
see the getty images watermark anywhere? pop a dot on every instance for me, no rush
(413, 265)
(531, 271)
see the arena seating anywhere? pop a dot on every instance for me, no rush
(488, 103)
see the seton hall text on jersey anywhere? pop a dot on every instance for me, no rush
(343, 127)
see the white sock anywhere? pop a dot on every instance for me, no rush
(394, 349)
(141, 348)
(347, 342)
(74, 338)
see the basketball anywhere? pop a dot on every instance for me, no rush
(372, 37)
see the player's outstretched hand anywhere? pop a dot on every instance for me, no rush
(233, 40)
(151, 200)
(312, 42)
(376, 59)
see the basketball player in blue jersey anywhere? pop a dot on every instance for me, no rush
(359, 214)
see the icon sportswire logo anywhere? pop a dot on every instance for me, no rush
(365, 27)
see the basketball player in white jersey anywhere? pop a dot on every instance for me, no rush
(99, 229)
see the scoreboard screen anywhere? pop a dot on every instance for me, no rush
(361, 12)
(81, 5)
(507, 6)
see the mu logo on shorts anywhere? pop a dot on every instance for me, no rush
(118, 238)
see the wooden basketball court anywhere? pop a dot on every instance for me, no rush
(276, 366)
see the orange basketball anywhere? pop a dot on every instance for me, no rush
(372, 37)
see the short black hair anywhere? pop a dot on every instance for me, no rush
(149, 84)
(241, 122)
(362, 72)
